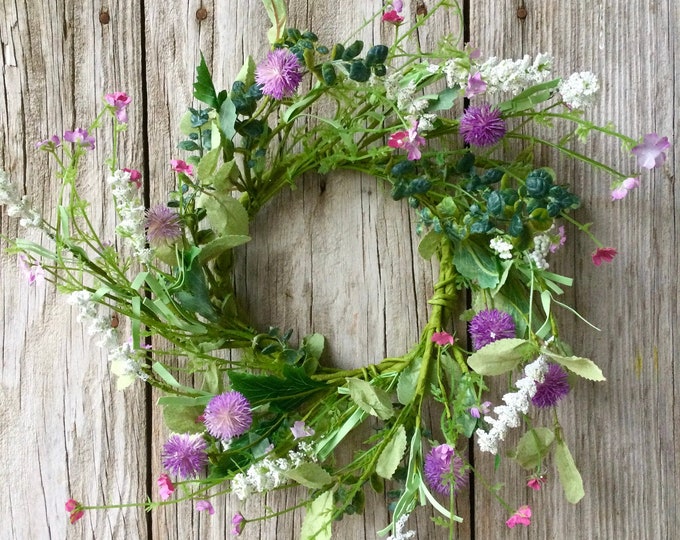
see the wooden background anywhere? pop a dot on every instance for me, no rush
(355, 275)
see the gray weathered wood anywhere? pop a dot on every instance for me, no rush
(356, 274)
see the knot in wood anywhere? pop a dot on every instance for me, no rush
(201, 14)
(104, 16)
(522, 13)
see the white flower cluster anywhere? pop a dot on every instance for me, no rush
(502, 247)
(542, 244)
(514, 76)
(131, 211)
(268, 473)
(124, 361)
(457, 71)
(580, 89)
(399, 533)
(516, 403)
(17, 205)
(409, 102)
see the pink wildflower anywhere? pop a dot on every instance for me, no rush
(300, 430)
(237, 524)
(75, 510)
(521, 517)
(651, 152)
(477, 412)
(603, 254)
(135, 177)
(165, 487)
(205, 506)
(182, 167)
(392, 13)
(475, 85)
(409, 140)
(119, 101)
(80, 137)
(49, 144)
(622, 190)
(536, 482)
(442, 338)
(558, 240)
(33, 273)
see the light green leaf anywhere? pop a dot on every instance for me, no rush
(406, 385)
(276, 9)
(583, 367)
(226, 215)
(310, 475)
(219, 245)
(477, 264)
(182, 419)
(206, 167)
(501, 356)
(373, 400)
(319, 518)
(429, 244)
(227, 119)
(533, 447)
(247, 73)
(570, 478)
(392, 454)
(313, 345)
(444, 100)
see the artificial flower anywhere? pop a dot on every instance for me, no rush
(482, 126)
(279, 74)
(650, 152)
(181, 166)
(163, 226)
(135, 177)
(442, 338)
(490, 325)
(33, 273)
(603, 254)
(75, 510)
(443, 469)
(119, 102)
(408, 140)
(622, 190)
(204, 506)
(477, 412)
(300, 430)
(552, 388)
(536, 482)
(184, 455)
(80, 137)
(49, 144)
(165, 487)
(521, 517)
(475, 85)
(228, 415)
(238, 522)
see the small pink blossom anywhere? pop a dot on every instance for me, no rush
(33, 273)
(558, 240)
(442, 338)
(476, 85)
(392, 13)
(536, 482)
(80, 137)
(651, 152)
(521, 517)
(300, 430)
(49, 144)
(165, 487)
(408, 140)
(238, 522)
(621, 191)
(603, 254)
(484, 408)
(182, 167)
(205, 506)
(135, 177)
(75, 510)
(119, 101)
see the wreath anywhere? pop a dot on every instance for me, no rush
(273, 415)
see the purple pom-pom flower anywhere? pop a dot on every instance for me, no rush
(490, 325)
(482, 126)
(553, 388)
(184, 455)
(279, 74)
(228, 415)
(443, 469)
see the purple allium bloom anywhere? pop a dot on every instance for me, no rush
(163, 226)
(228, 415)
(80, 137)
(490, 325)
(444, 468)
(184, 455)
(482, 126)
(279, 74)
(651, 152)
(553, 388)
(119, 101)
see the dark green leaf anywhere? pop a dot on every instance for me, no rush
(204, 89)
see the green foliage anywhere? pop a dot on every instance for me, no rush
(371, 399)
(318, 518)
(570, 478)
(533, 447)
(501, 356)
(392, 454)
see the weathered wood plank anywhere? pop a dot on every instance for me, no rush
(66, 431)
(622, 433)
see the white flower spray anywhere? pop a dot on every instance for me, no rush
(132, 213)
(18, 206)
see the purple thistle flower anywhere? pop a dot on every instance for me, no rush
(482, 126)
(490, 325)
(553, 388)
(228, 415)
(163, 226)
(184, 455)
(279, 74)
(444, 468)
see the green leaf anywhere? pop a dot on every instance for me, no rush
(206, 167)
(219, 245)
(310, 475)
(204, 89)
(182, 418)
(406, 385)
(228, 118)
(531, 96)
(284, 393)
(226, 214)
(319, 518)
(247, 73)
(533, 447)
(372, 399)
(276, 9)
(444, 100)
(429, 245)
(570, 478)
(501, 356)
(392, 454)
(313, 345)
(583, 367)
(477, 264)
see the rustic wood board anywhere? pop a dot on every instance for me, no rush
(358, 277)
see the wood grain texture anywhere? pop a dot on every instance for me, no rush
(357, 277)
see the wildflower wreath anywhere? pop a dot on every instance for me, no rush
(267, 412)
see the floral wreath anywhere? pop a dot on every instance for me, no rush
(274, 417)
